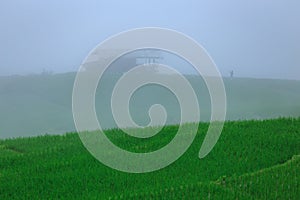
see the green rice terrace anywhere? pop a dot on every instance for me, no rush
(252, 160)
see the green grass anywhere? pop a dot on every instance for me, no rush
(277, 182)
(252, 160)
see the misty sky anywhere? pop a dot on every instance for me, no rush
(257, 38)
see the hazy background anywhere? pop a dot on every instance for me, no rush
(254, 38)
(46, 39)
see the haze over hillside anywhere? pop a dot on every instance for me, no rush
(39, 104)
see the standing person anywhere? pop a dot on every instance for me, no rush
(231, 74)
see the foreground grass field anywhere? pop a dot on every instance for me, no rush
(252, 160)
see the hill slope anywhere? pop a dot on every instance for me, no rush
(250, 161)
(39, 104)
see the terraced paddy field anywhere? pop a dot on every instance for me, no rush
(252, 160)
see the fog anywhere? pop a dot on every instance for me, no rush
(254, 38)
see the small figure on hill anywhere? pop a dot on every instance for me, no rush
(231, 74)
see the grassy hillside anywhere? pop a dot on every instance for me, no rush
(252, 160)
(39, 104)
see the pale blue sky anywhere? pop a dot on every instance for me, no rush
(257, 38)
